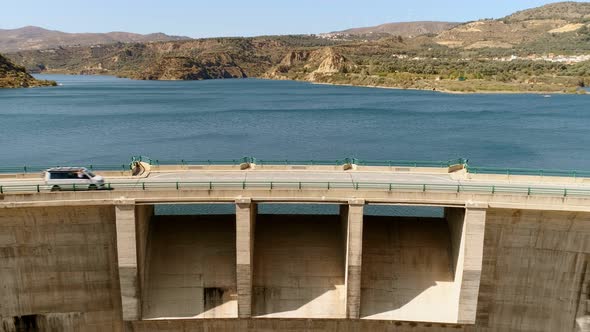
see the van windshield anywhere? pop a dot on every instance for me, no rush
(90, 174)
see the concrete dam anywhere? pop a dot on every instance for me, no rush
(507, 252)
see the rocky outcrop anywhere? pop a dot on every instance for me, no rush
(295, 57)
(331, 62)
(291, 60)
(186, 68)
(13, 76)
(320, 62)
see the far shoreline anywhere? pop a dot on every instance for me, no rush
(442, 91)
(453, 92)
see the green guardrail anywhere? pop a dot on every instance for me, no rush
(410, 163)
(334, 162)
(42, 168)
(291, 185)
(310, 162)
(232, 162)
(319, 162)
(527, 171)
(237, 162)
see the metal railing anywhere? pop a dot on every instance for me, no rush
(410, 163)
(209, 162)
(528, 171)
(239, 161)
(302, 185)
(318, 162)
(26, 169)
(334, 162)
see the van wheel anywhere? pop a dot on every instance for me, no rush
(92, 187)
(55, 188)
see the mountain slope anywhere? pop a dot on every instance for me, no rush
(174, 60)
(567, 21)
(569, 10)
(404, 29)
(35, 38)
(12, 76)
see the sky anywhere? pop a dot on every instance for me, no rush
(222, 18)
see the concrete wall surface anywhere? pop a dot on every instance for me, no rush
(59, 260)
(59, 272)
(192, 268)
(535, 271)
(406, 272)
(298, 267)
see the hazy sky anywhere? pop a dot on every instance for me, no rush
(209, 18)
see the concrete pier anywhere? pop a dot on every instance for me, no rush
(470, 271)
(352, 216)
(127, 261)
(467, 228)
(132, 226)
(246, 212)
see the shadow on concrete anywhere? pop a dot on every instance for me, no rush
(191, 267)
(406, 269)
(298, 267)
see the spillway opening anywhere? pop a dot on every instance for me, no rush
(191, 262)
(407, 265)
(299, 264)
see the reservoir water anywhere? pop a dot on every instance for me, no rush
(97, 119)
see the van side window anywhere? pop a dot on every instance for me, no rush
(58, 176)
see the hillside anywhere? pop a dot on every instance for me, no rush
(571, 11)
(564, 25)
(176, 60)
(533, 54)
(12, 76)
(404, 29)
(35, 38)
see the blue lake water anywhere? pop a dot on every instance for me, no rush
(97, 119)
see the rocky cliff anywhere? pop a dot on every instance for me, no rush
(310, 65)
(13, 76)
(177, 60)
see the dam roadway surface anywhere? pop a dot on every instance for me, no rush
(335, 177)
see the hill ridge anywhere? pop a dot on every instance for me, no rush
(404, 29)
(37, 38)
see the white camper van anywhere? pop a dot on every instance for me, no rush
(73, 178)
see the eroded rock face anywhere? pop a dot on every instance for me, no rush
(332, 62)
(324, 61)
(186, 68)
(295, 57)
